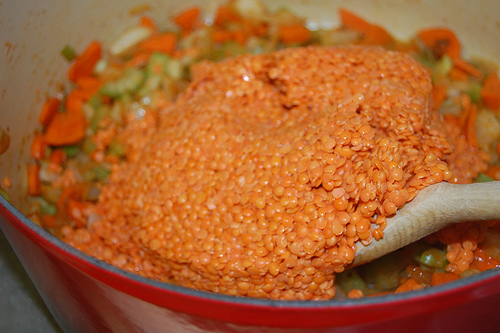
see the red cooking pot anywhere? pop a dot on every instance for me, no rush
(86, 295)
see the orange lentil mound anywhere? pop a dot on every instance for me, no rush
(268, 171)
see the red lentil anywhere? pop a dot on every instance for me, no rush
(265, 173)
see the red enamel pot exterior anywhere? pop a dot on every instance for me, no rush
(87, 295)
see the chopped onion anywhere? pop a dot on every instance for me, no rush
(129, 39)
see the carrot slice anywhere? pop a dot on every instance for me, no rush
(58, 156)
(66, 128)
(372, 34)
(164, 42)
(490, 92)
(34, 184)
(49, 109)
(466, 67)
(188, 18)
(294, 33)
(38, 147)
(441, 41)
(409, 285)
(438, 95)
(353, 21)
(221, 35)
(225, 15)
(493, 171)
(148, 22)
(443, 277)
(470, 128)
(85, 63)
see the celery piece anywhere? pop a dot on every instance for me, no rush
(116, 148)
(48, 209)
(68, 53)
(157, 64)
(101, 172)
(441, 68)
(475, 92)
(349, 280)
(88, 146)
(71, 151)
(128, 83)
(433, 258)
(4, 194)
(482, 178)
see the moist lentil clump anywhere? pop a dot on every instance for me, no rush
(268, 171)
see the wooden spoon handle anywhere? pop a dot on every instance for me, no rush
(434, 208)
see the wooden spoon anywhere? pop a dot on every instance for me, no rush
(434, 208)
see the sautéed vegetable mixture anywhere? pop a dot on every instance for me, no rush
(251, 156)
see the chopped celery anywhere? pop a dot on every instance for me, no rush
(433, 258)
(4, 194)
(116, 148)
(228, 49)
(101, 172)
(95, 101)
(475, 92)
(99, 113)
(441, 68)
(157, 64)
(130, 82)
(68, 53)
(349, 280)
(88, 146)
(482, 178)
(48, 209)
(71, 151)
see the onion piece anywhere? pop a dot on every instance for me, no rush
(129, 39)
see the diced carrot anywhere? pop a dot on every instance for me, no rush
(226, 14)
(439, 95)
(71, 192)
(443, 277)
(372, 34)
(470, 128)
(240, 37)
(221, 35)
(450, 118)
(409, 285)
(138, 59)
(49, 221)
(49, 109)
(38, 147)
(188, 18)
(441, 41)
(84, 64)
(66, 128)
(458, 75)
(466, 67)
(164, 42)
(58, 156)
(482, 261)
(34, 184)
(498, 148)
(88, 87)
(294, 33)
(353, 21)
(74, 209)
(148, 22)
(466, 107)
(493, 171)
(490, 92)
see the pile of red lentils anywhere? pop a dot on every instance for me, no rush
(266, 174)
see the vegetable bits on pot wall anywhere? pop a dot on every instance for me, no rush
(260, 175)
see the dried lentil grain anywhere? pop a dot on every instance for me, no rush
(306, 134)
